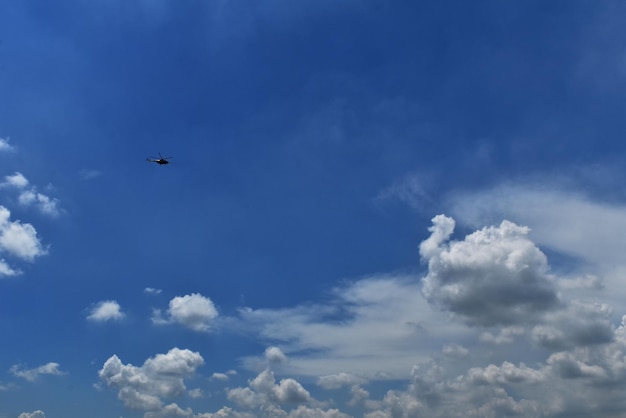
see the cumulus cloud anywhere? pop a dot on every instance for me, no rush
(581, 381)
(264, 391)
(496, 275)
(598, 235)
(29, 196)
(32, 375)
(160, 377)
(107, 310)
(193, 311)
(274, 355)
(18, 239)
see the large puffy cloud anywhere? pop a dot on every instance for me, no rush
(160, 377)
(194, 311)
(33, 374)
(107, 310)
(496, 275)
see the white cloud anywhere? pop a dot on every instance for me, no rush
(107, 310)
(338, 380)
(29, 196)
(410, 190)
(196, 393)
(193, 311)
(33, 374)
(7, 270)
(18, 239)
(17, 180)
(35, 414)
(274, 355)
(374, 327)
(89, 174)
(160, 377)
(455, 350)
(496, 275)
(152, 291)
(564, 221)
(263, 392)
(5, 146)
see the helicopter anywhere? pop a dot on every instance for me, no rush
(160, 161)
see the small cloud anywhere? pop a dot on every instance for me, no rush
(455, 351)
(108, 310)
(152, 291)
(6, 270)
(223, 376)
(89, 174)
(32, 375)
(35, 414)
(17, 180)
(45, 204)
(29, 196)
(410, 190)
(274, 355)
(9, 386)
(196, 393)
(5, 146)
(193, 311)
(339, 380)
(18, 239)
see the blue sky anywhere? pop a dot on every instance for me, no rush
(373, 209)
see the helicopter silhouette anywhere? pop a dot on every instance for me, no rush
(160, 161)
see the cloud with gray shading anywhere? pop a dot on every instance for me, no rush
(193, 311)
(160, 377)
(106, 310)
(496, 275)
(18, 240)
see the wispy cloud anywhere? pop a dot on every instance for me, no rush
(5, 146)
(32, 375)
(35, 414)
(89, 174)
(29, 196)
(377, 327)
(152, 291)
